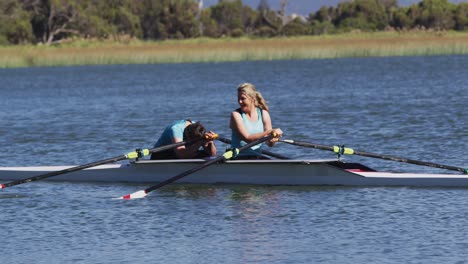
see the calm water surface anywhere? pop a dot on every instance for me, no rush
(413, 107)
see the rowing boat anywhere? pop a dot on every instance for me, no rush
(262, 172)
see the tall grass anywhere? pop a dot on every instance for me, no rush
(82, 52)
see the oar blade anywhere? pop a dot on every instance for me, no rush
(135, 195)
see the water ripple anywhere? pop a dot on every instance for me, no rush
(410, 106)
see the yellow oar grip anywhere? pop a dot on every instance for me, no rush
(230, 154)
(132, 155)
(135, 154)
(342, 150)
(211, 137)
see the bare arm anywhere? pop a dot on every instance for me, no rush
(268, 127)
(191, 151)
(209, 146)
(183, 152)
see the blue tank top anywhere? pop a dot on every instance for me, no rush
(253, 127)
(175, 130)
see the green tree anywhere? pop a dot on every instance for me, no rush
(367, 15)
(267, 22)
(95, 22)
(320, 28)
(53, 20)
(228, 15)
(321, 22)
(438, 14)
(111, 18)
(151, 16)
(322, 15)
(185, 18)
(127, 21)
(461, 17)
(401, 20)
(15, 26)
(391, 8)
(163, 19)
(249, 19)
(209, 25)
(295, 27)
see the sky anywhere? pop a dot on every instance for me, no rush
(305, 7)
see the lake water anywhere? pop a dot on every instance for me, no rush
(413, 107)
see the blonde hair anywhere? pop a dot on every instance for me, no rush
(249, 90)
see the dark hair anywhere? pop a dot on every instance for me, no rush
(194, 131)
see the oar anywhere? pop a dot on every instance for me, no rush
(340, 150)
(131, 155)
(226, 156)
(269, 153)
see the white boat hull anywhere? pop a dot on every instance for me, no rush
(263, 172)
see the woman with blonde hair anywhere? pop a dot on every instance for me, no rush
(251, 121)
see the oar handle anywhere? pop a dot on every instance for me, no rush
(235, 152)
(264, 151)
(305, 144)
(340, 150)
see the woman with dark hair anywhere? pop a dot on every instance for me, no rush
(193, 133)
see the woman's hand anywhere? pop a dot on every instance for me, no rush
(210, 136)
(209, 145)
(278, 133)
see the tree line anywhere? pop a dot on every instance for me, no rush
(51, 21)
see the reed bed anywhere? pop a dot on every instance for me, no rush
(83, 52)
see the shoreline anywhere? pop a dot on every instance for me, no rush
(378, 44)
